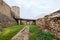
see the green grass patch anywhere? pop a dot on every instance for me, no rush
(9, 32)
(38, 34)
(35, 33)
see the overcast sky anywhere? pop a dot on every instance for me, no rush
(33, 9)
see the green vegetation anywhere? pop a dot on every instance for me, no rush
(9, 32)
(37, 34)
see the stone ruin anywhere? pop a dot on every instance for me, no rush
(7, 16)
(15, 11)
(50, 23)
(6, 21)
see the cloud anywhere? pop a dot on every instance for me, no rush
(34, 8)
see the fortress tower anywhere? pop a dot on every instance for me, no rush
(16, 13)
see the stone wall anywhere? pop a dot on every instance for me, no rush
(5, 14)
(50, 23)
(1, 2)
(6, 21)
(5, 9)
(31, 22)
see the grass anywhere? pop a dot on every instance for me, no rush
(35, 33)
(9, 32)
(38, 34)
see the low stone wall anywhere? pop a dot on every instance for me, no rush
(22, 35)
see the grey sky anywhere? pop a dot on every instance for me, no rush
(33, 9)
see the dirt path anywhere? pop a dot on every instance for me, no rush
(23, 34)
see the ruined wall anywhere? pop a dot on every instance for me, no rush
(23, 22)
(6, 21)
(50, 23)
(5, 14)
(30, 22)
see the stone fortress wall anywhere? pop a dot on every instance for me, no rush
(6, 17)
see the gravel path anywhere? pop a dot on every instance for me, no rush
(23, 34)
